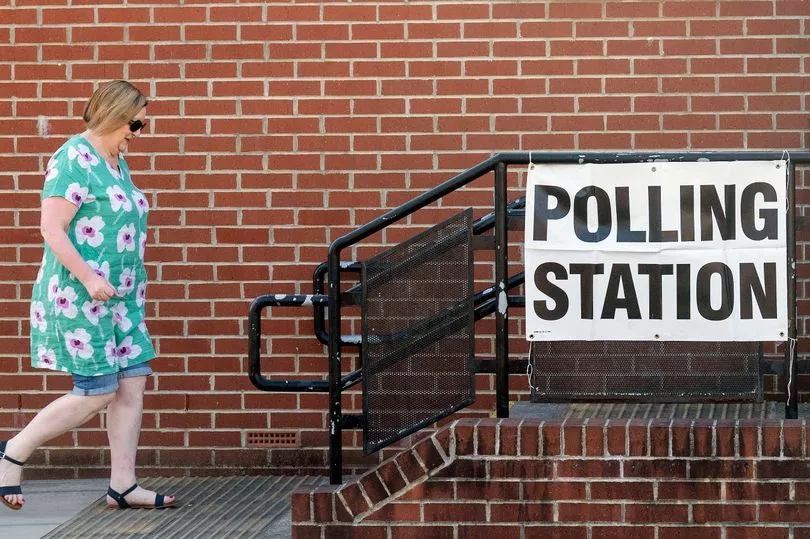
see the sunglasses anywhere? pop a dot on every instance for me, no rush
(136, 125)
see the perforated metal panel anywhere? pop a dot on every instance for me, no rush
(646, 371)
(417, 316)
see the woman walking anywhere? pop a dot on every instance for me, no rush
(87, 307)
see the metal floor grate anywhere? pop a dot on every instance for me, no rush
(630, 410)
(230, 507)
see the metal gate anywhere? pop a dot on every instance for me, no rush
(417, 332)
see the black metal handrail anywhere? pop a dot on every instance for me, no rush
(492, 300)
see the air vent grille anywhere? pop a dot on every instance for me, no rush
(272, 439)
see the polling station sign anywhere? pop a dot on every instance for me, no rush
(657, 251)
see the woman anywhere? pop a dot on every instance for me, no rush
(87, 310)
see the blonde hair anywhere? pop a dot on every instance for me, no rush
(112, 106)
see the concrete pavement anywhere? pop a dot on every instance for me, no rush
(48, 504)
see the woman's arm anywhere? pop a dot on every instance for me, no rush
(55, 218)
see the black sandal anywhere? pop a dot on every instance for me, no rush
(14, 489)
(160, 500)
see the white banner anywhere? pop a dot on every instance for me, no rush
(657, 251)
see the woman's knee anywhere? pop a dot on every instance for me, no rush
(100, 402)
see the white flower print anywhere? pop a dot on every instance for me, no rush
(126, 238)
(51, 171)
(127, 281)
(41, 272)
(51, 174)
(120, 319)
(89, 230)
(93, 310)
(38, 316)
(127, 351)
(142, 245)
(120, 355)
(53, 287)
(140, 295)
(109, 352)
(83, 155)
(114, 172)
(140, 203)
(46, 358)
(78, 343)
(65, 302)
(142, 327)
(118, 199)
(77, 194)
(102, 271)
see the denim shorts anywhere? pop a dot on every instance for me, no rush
(86, 386)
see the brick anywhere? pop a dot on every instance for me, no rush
(487, 490)
(302, 531)
(350, 531)
(688, 490)
(374, 488)
(485, 439)
(556, 490)
(590, 512)
(743, 532)
(529, 440)
(686, 532)
(660, 468)
(703, 438)
(300, 504)
(758, 491)
(637, 435)
(705, 469)
(724, 513)
(410, 467)
(519, 468)
(396, 512)
(628, 491)
(556, 531)
(419, 532)
(572, 438)
(322, 505)
(486, 532)
(771, 439)
(454, 512)
(508, 438)
(657, 513)
(623, 532)
(551, 443)
(521, 512)
(594, 438)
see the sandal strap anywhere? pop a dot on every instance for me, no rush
(4, 456)
(159, 500)
(119, 496)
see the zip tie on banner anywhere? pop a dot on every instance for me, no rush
(791, 359)
(786, 153)
(791, 354)
(530, 366)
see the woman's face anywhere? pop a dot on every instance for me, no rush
(124, 134)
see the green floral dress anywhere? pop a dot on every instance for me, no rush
(69, 330)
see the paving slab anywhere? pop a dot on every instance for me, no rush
(49, 503)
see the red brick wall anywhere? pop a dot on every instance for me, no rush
(278, 126)
(641, 479)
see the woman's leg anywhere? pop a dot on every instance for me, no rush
(65, 413)
(123, 430)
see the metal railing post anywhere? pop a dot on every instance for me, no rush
(501, 329)
(791, 368)
(335, 412)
